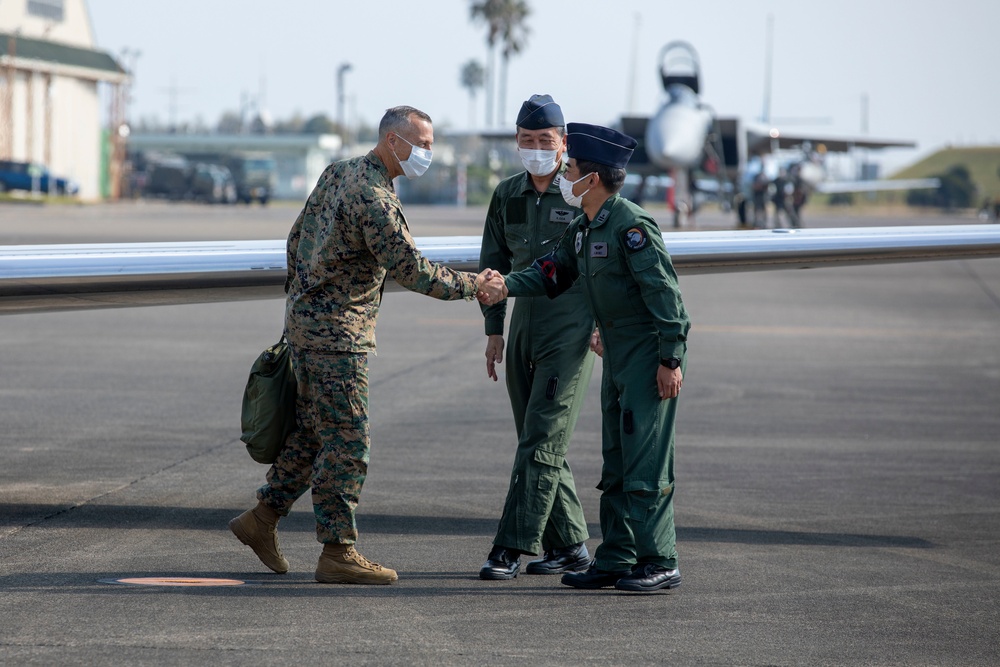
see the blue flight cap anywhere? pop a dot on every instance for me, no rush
(593, 143)
(540, 112)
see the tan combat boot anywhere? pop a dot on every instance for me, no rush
(258, 529)
(342, 564)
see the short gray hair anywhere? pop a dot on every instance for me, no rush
(398, 119)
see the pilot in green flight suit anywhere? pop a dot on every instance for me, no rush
(615, 251)
(549, 363)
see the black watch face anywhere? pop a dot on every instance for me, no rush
(672, 364)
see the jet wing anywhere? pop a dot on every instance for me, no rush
(42, 278)
(831, 187)
(762, 140)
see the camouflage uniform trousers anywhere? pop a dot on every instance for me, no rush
(329, 448)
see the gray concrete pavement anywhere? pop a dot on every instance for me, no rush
(838, 478)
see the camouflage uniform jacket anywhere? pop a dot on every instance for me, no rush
(350, 234)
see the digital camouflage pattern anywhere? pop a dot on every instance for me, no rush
(630, 286)
(349, 236)
(548, 367)
(329, 447)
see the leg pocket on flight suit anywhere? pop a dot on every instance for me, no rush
(640, 504)
(628, 422)
(548, 472)
(551, 387)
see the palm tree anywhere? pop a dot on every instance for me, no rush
(504, 19)
(473, 76)
(515, 38)
(487, 11)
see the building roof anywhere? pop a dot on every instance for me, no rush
(39, 50)
(294, 143)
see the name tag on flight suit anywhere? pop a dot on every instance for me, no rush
(598, 249)
(563, 215)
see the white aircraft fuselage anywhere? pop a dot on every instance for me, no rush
(676, 135)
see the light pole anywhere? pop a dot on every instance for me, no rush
(343, 69)
(120, 130)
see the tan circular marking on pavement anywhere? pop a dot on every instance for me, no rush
(176, 581)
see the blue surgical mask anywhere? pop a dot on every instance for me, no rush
(418, 162)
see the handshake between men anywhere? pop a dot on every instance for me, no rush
(491, 287)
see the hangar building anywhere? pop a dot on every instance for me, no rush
(50, 104)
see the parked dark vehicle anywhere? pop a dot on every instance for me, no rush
(253, 173)
(212, 183)
(168, 177)
(32, 177)
(256, 181)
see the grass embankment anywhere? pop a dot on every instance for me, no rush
(28, 200)
(981, 161)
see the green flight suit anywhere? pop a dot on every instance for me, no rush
(548, 368)
(631, 288)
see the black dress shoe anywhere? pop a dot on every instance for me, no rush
(593, 578)
(502, 563)
(565, 559)
(648, 577)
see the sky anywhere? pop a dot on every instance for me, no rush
(927, 68)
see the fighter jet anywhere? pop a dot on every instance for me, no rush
(684, 135)
(687, 141)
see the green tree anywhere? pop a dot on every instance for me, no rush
(473, 76)
(505, 25)
(320, 124)
(292, 125)
(229, 123)
(957, 190)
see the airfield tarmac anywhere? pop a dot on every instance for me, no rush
(838, 462)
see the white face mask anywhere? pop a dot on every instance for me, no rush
(566, 188)
(538, 163)
(418, 162)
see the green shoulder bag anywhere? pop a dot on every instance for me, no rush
(269, 403)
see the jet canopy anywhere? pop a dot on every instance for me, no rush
(679, 65)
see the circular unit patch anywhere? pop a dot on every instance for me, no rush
(636, 239)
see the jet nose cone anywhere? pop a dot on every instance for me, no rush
(676, 136)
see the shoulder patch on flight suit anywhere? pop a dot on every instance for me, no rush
(599, 249)
(563, 215)
(636, 239)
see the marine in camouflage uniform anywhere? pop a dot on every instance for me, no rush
(616, 252)
(549, 363)
(349, 238)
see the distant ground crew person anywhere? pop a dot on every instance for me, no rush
(759, 190)
(780, 199)
(549, 363)
(616, 252)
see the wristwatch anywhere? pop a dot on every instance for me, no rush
(672, 363)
